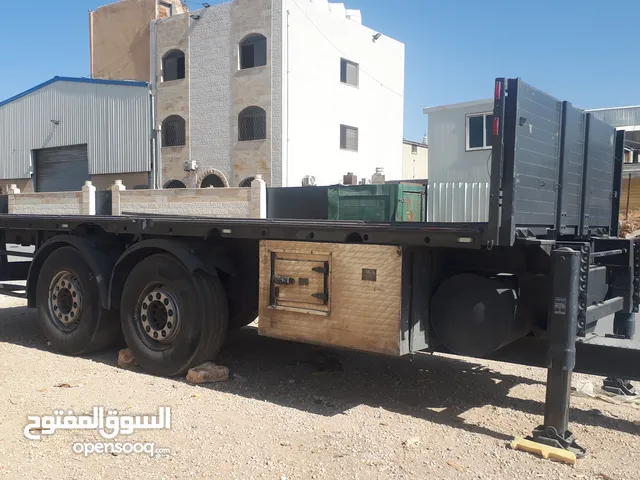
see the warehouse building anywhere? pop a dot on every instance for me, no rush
(63, 132)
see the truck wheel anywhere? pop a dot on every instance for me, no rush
(172, 320)
(243, 318)
(68, 304)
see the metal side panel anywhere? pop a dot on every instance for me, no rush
(599, 167)
(536, 158)
(362, 307)
(573, 147)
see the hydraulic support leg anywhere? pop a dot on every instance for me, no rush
(624, 325)
(563, 325)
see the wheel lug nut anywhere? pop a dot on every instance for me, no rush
(166, 301)
(164, 334)
(170, 313)
(150, 297)
(144, 318)
(169, 325)
(155, 334)
(158, 296)
(148, 328)
(145, 306)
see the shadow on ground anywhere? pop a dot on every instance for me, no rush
(329, 382)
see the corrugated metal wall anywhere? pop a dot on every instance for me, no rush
(113, 120)
(448, 159)
(619, 117)
(458, 202)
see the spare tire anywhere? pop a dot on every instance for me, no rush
(475, 316)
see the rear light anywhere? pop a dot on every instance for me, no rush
(498, 92)
(496, 126)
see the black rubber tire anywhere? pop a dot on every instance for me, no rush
(242, 294)
(203, 315)
(242, 319)
(97, 327)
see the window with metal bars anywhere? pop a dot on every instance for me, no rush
(173, 131)
(348, 138)
(173, 66)
(252, 124)
(174, 184)
(246, 182)
(253, 51)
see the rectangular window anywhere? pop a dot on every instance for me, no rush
(479, 131)
(414, 149)
(349, 72)
(348, 138)
(247, 56)
(165, 9)
(174, 68)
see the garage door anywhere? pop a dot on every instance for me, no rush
(61, 169)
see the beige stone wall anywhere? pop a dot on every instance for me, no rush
(119, 39)
(251, 87)
(173, 96)
(104, 182)
(201, 202)
(60, 203)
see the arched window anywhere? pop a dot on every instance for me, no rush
(212, 180)
(174, 184)
(247, 182)
(253, 51)
(173, 131)
(173, 66)
(252, 124)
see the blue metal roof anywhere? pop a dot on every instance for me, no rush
(98, 81)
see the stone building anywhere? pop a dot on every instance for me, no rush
(288, 89)
(119, 39)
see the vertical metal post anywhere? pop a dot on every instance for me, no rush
(626, 213)
(563, 326)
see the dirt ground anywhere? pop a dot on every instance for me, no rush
(294, 411)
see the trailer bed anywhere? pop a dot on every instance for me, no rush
(461, 235)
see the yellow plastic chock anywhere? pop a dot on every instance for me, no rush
(545, 451)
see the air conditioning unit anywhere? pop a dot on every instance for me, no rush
(308, 181)
(190, 166)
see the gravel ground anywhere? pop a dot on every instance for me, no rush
(295, 411)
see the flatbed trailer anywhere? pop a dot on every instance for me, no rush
(526, 286)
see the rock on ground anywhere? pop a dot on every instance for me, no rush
(126, 359)
(208, 373)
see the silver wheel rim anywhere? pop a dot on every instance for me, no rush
(65, 300)
(159, 316)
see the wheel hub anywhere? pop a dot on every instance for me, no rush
(65, 299)
(159, 315)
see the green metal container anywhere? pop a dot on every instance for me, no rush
(378, 203)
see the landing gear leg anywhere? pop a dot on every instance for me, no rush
(563, 325)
